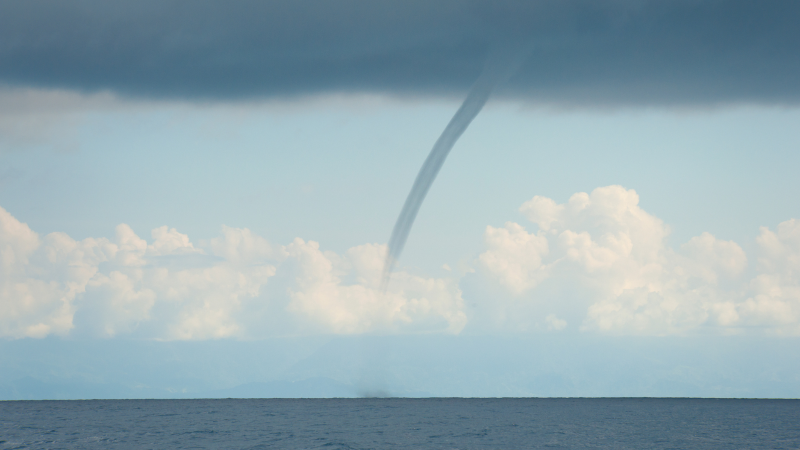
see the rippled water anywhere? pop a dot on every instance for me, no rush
(401, 424)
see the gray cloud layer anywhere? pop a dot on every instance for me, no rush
(583, 51)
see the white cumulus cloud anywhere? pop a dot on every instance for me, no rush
(411, 302)
(169, 288)
(774, 300)
(615, 255)
(41, 278)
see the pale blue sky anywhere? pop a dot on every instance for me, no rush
(337, 170)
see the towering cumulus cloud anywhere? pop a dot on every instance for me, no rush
(603, 259)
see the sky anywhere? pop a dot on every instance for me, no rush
(197, 196)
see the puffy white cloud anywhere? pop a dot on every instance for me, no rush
(242, 247)
(40, 278)
(410, 300)
(596, 263)
(615, 254)
(170, 288)
(515, 256)
(774, 300)
(17, 242)
(605, 234)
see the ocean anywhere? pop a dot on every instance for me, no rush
(400, 423)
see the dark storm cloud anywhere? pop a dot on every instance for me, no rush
(583, 52)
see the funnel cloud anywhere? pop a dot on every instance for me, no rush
(499, 67)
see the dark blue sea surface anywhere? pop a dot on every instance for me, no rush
(396, 423)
